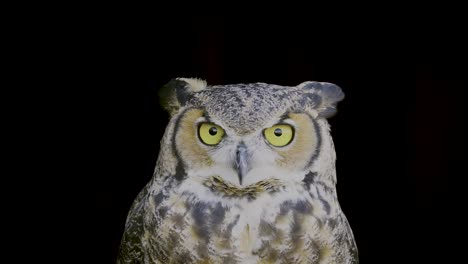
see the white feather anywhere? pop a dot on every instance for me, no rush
(196, 84)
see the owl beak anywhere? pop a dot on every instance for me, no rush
(242, 161)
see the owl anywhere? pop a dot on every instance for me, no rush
(245, 174)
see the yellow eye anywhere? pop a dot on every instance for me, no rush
(210, 133)
(279, 135)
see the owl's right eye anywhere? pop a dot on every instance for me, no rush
(210, 134)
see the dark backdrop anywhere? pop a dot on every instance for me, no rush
(398, 133)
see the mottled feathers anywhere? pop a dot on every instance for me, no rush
(228, 193)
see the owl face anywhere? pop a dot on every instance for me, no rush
(248, 136)
(209, 146)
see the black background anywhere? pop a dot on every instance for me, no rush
(398, 133)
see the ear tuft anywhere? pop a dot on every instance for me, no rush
(330, 94)
(195, 84)
(177, 92)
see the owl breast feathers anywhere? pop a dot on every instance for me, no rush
(245, 174)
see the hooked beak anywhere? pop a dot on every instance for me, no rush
(241, 161)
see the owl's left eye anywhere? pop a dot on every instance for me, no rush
(279, 135)
(210, 133)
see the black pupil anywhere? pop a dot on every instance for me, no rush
(213, 131)
(278, 132)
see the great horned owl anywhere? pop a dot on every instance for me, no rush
(246, 174)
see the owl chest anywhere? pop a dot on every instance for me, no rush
(246, 232)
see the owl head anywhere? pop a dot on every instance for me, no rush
(245, 136)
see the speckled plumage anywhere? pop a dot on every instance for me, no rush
(196, 210)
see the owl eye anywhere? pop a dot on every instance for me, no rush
(210, 133)
(279, 135)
